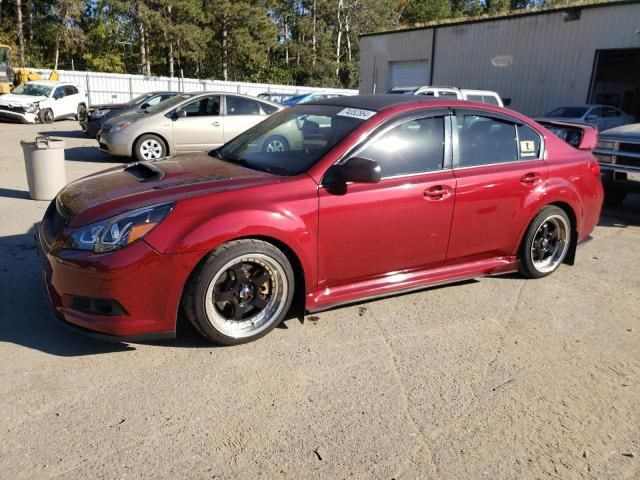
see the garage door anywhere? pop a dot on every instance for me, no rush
(408, 74)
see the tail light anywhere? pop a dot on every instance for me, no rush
(594, 167)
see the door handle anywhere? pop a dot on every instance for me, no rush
(437, 192)
(531, 178)
(216, 124)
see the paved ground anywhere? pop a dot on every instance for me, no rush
(497, 378)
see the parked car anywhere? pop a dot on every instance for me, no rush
(98, 115)
(44, 101)
(482, 96)
(363, 208)
(602, 116)
(184, 123)
(275, 96)
(308, 97)
(618, 152)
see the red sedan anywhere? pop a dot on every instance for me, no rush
(338, 200)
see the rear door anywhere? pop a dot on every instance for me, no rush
(498, 165)
(72, 99)
(403, 221)
(241, 114)
(59, 103)
(202, 128)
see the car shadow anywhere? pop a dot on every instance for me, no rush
(66, 134)
(627, 214)
(12, 193)
(86, 154)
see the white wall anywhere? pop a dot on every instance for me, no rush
(115, 87)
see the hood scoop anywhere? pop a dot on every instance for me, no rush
(144, 171)
(190, 181)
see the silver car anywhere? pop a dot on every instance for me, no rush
(602, 116)
(185, 123)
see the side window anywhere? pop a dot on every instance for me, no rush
(207, 106)
(485, 140)
(596, 112)
(475, 98)
(428, 93)
(70, 90)
(242, 106)
(611, 112)
(445, 93)
(58, 93)
(529, 143)
(412, 147)
(490, 100)
(268, 109)
(153, 100)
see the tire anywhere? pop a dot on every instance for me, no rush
(46, 116)
(240, 292)
(614, 197)
(546, 243)
(149, 147)
(82, 112)
(275, 143)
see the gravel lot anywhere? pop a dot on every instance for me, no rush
(496, 378)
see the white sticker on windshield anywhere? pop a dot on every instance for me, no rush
(356, 113)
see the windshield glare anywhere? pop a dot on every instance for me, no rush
(140, 99)
(34, 89)
(168, 103)
(291, 141)
(567, 112)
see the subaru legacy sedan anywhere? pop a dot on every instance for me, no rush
(369, 196)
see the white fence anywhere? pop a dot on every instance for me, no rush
(116, 88)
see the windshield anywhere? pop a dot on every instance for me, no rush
(567, 112)
(140, 100)
(34, 89)
(290, 142)
(169, 103)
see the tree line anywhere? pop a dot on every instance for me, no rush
(302, 42)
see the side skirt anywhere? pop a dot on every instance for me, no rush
(404, 282)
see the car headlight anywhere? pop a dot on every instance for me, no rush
(98, 113)
(118, 127)
(119, 231)
(606, 145)
(31, 108)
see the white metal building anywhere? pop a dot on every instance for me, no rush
(539, 60)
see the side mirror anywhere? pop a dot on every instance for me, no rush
(506, 102)
(355, 169)
(144, 105)
(179, 114)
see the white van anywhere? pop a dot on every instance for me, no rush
(483, 96)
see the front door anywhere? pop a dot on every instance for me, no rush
(400, 223)
(202, 128)
(499, 168)
(240, 115)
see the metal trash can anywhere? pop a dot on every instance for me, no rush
(44, 162)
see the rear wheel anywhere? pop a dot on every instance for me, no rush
(546, 243)
(82, 113)
(241, 292)
(149, 147)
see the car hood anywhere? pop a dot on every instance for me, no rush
(625, 132)
(20, 100)
(141, 184)
(134, 115)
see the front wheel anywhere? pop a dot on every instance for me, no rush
(546, 243)
(46, 115)
(81, 116)
(241, 292)
(149, 147)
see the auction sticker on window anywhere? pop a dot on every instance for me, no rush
(527, 147)
(356, 113)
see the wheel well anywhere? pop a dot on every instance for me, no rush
(299, 292)
(164, 140)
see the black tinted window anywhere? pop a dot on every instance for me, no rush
(70, 90)
(529, 143)
(207, 106)
(242, 106)
(412, 147)
(485, 140)
(58, 93)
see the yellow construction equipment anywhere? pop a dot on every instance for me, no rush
(12, 77)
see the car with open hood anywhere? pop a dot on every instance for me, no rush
(99, 114)
(379, 194)
(603, 117)
(43, 101)
(188, 122)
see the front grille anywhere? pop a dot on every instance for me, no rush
(627, 161)
(53, 224)
(630, 147)
(12, 109)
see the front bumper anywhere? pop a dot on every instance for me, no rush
(620, 178)
(116, 144)
(145, 283)
(19, 116)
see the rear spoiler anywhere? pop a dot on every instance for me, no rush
(579, 135)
